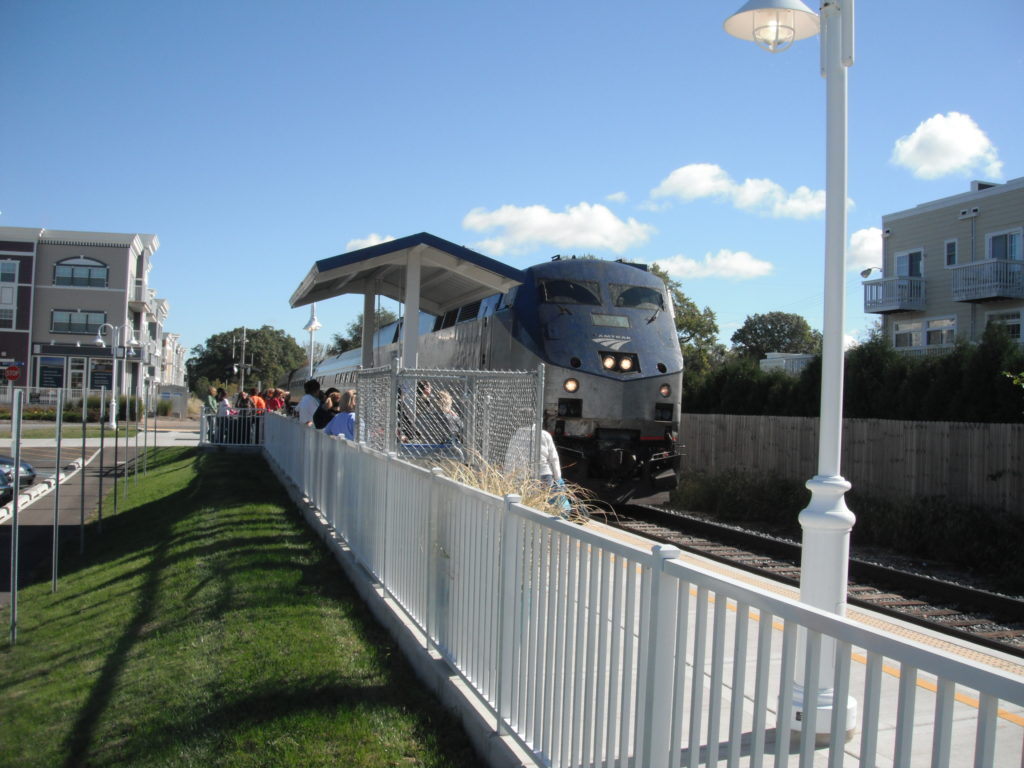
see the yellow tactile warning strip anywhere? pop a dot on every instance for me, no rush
(972, 653)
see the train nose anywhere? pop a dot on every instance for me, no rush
(618, 461)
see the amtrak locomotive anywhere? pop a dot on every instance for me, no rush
(605, 331)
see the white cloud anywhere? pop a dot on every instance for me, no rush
(584, 226)
(697, 180)
(944, 144)
(865, 249)
(617, 197)
(365, 242)
(732, 265)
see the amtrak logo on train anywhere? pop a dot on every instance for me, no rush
(612, 342)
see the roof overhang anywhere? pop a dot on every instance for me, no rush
(450, 275)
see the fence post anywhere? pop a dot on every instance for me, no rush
(506, 608)
(657, 724)
(103, 440)
(16, 411)
(81, 500)
(432, 547)
(56, 489)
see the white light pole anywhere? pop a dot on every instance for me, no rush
(826, 522)
(312, 327)
(116, 330)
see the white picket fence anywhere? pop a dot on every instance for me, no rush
(592, 651)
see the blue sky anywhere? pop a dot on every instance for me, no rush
(255, 137)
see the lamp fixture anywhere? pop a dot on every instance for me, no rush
(866, 272)
(773, 24)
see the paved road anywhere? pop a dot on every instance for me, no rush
(87, 472)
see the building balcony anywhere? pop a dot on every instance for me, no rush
(989, 280)
(894, 294)
(140, 298)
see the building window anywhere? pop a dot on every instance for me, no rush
(907, 334)
(8, 271)
(908, 263)
(75, 321)
(1004, 245)
(81, 272)
(940, 332)
(951, 253)
(6, 318)
(1011, 320)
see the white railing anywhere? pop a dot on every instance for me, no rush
(243, 427)
(991, 278)
(894, 293)
(593, 651)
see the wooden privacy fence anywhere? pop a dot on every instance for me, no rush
(968, 463)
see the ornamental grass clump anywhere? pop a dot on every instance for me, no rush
(570, 501)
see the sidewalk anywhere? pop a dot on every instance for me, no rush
(41, 453)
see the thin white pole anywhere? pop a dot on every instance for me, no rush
(826, 522)
(19, 404)
(56, 490)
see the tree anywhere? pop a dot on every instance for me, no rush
(696, 329)
(353, 336)
(272, 352)
(775, 332)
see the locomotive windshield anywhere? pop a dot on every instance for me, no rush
(570, 292)
(636, 297)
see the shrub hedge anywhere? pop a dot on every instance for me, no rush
(965, 384)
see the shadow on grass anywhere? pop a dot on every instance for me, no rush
(154, 532)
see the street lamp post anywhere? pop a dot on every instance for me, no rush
(312, 327)
(115, 331)
(826, 522)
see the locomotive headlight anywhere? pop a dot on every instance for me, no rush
(608, 361)
(571, 385)
(626, 364)
(664, 390)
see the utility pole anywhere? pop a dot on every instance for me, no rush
(240, 367)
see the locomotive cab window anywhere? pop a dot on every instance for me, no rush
(637, 297)
(570, 292)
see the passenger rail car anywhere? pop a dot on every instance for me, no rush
(605, 331)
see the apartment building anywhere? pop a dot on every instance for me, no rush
(60, 291)
(950, 267)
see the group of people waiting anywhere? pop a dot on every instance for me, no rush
(333, 411)
(218, 402)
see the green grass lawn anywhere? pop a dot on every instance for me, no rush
(208, 627)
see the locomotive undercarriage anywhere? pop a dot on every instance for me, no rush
(617, 466)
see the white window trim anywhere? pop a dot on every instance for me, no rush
(907, 252)
(923, 330)
(956, 252)
(1020, 320)
(1018, 231)
(926, 329)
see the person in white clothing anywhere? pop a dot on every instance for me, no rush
(518, 460)
(549, 465)
(310, 402)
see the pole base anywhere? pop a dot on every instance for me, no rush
(823, 714)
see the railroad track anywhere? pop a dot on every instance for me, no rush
(985, 618)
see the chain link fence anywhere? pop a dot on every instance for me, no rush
(475, 417)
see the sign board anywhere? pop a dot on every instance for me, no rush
(12, 372)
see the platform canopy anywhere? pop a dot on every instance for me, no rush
(449, 275)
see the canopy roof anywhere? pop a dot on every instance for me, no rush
(450, 275)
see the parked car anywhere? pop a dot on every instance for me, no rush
(28, 474)
(6, 487)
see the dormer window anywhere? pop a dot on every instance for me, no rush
(81, 272)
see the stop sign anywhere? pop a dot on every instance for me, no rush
(13, 372)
